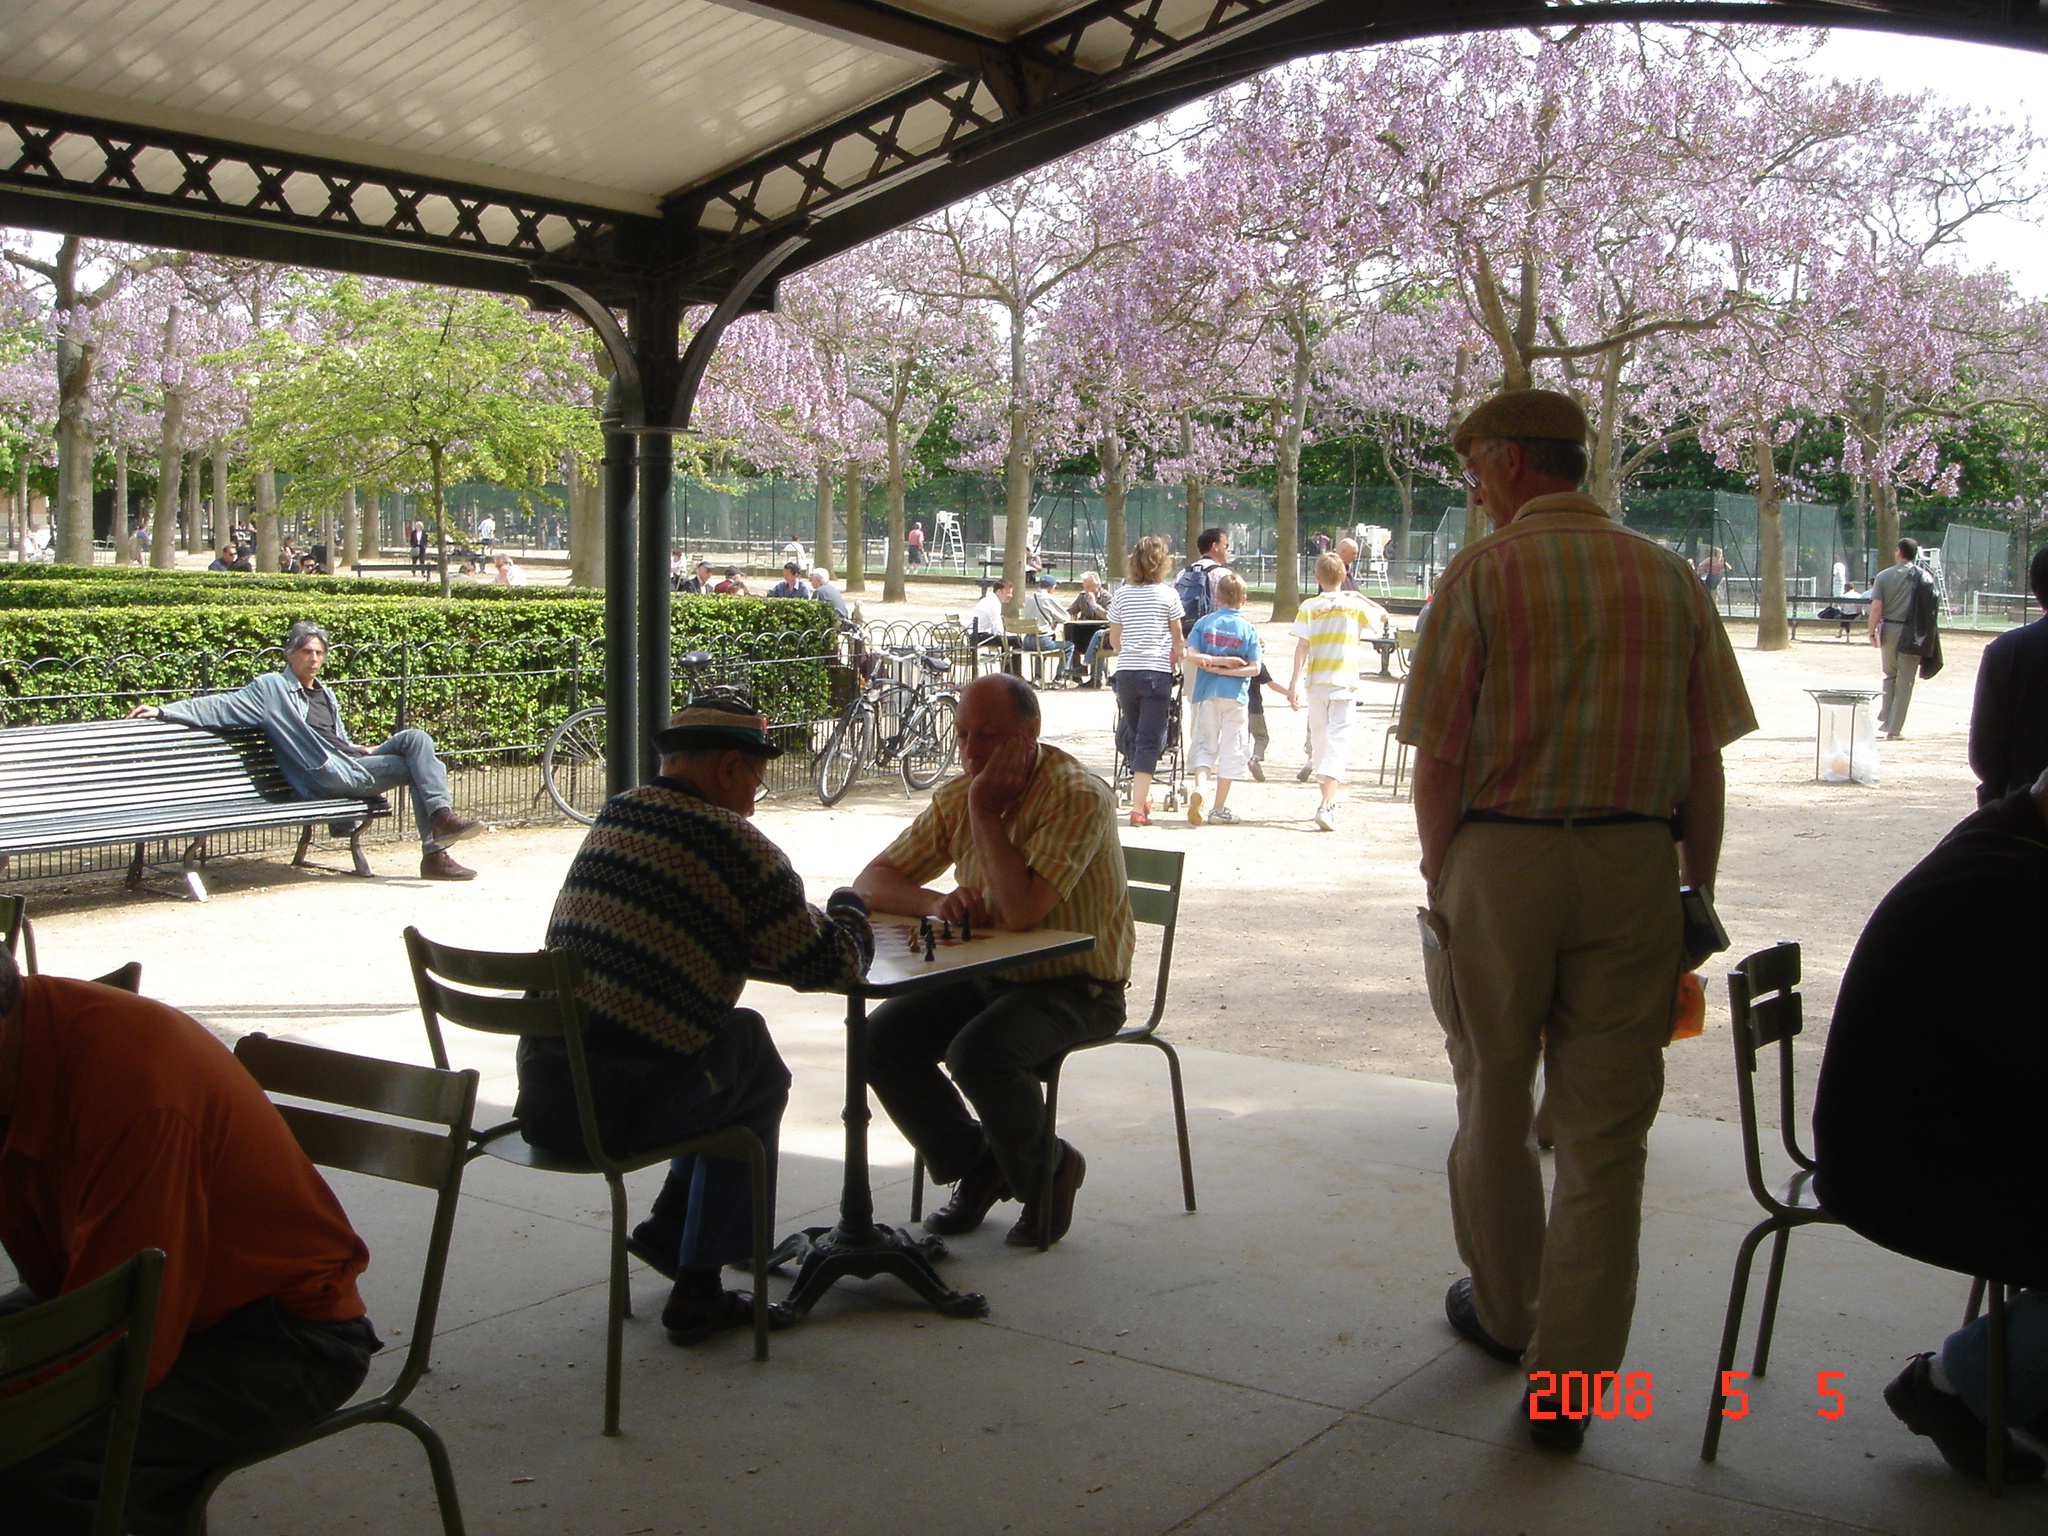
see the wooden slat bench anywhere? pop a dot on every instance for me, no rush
(109, 782)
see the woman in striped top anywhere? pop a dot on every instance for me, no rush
(1145, 633)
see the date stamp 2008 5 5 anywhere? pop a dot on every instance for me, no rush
(1610, 1395)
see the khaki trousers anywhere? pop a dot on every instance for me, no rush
(1562, 943)
(1901, 671)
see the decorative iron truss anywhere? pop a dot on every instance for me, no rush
(170, 185)
(996, 109)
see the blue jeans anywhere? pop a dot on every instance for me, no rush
(406, 758)
(1144, 706)
(1966, 1359)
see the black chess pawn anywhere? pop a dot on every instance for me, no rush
(946, 932)
(931, 943)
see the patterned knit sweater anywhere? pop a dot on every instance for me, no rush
(670, 902)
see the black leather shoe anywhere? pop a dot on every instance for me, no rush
(979, 1188)
(1066, 1179)
(1464, 1317)
(1559, 1436)
(1957, 1433)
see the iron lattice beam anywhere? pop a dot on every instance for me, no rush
(884, 27)
(954, 134)
(93, 176)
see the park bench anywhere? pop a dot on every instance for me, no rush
(1849, 612)
(105, 783)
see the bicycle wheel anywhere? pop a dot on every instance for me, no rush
(852, 744)
(929, 742)
(572, 765)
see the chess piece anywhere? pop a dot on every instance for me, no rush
(931, 943)
(966, 929)
(946, 932)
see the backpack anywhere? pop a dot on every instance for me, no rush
(1192, 588)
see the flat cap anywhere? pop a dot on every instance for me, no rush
(1524, 413)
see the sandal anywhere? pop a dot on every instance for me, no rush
(694, 1321)
(1140, 819)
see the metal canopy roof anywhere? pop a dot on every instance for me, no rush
(623, 144)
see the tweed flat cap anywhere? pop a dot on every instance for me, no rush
(1524, 413)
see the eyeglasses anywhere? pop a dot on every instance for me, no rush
(1471, 479)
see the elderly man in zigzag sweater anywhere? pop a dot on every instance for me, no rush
(673, 898)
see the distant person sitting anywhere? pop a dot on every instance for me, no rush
(825, 592)
(2009, 717)
(734, 585)
(230, 559)
(298, 713)
(127, 1125)
(1051, 620)
(986, 617)
(792, 583)
(507, 574)
(1927, 1117)
(703, 582)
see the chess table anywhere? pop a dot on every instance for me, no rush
(859, 1246)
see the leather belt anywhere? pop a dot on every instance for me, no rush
(1610, 819)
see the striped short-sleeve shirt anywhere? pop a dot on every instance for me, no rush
(1335, 626)
(1147, 611)
(1572, 666)
(1065, 825)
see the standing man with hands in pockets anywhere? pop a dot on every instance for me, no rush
(1568, 705)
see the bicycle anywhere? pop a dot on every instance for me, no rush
(572, 765)
(890, 721)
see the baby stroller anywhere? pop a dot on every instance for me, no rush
(1167, 774)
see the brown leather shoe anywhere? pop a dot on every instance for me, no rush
(441, 865)
(979, 1188)
(451, 828)
(1066, 1179)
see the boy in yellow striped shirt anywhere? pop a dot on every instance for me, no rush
(1330, 631)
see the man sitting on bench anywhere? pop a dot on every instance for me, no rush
(313, 748)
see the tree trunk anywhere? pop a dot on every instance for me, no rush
(1772, 632)
(1858, 553)
(372, 531)
(1017, 468)
(223, 509)
(1196, 492)
(1116, 492)
(1606, 427)
(266, 521)
(892, 574)
(351, 530)
(170, 459)
(193, 507)
(440, 512)
(327, 535)
(586, 526)
(1885, 501)
(126, 545)
(821, 523)
(1287, 489)
(76, 354)
(1404, 529)
(856, 527)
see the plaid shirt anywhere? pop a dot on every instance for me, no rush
(1572, 666)
(1065, 825)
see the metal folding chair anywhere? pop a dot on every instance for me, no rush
(429, 1154)
(535, 994)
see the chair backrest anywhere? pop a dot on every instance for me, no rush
(1765, 1008)
(65, 1362)
(127, 977)
(532, 993)
(407, 1154)
(1154, 875)
(16, 932)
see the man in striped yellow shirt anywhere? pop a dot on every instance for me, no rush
(1568, 703)
(1031, 838)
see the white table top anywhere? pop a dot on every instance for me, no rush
(900, 966)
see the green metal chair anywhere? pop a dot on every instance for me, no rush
(406, 1154)
(1154, 875)
(535, 994)
(1766, 1009)
(66, 1362)
(16, 932)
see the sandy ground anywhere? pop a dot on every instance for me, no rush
(1293, 944)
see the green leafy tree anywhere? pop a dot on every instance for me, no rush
(398, 388)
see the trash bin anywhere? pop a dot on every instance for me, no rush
(1845, 743)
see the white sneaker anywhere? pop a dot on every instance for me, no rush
(1326, 817)
(1224, 816)
(1195, 802)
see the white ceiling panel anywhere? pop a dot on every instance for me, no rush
(615, 103)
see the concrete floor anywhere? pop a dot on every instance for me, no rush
(1276, 1362)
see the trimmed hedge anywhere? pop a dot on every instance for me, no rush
(107, 586)
(478, 676)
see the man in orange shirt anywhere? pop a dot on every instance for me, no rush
(125, 1125)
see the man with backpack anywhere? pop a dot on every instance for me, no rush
(1195, 586)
